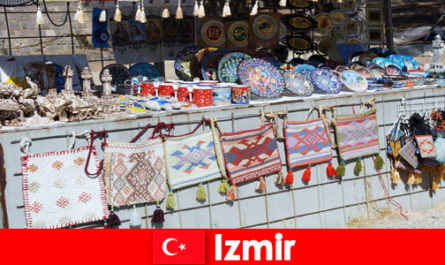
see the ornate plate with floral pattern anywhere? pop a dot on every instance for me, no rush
(265, 27)
(354, 81)
(209, 65)
(182, 62)
(238, 34)
(339, 17)
(298, 84)
(144, 69)
(228, 66)
(263, 78)
(376, 70)
(304, 69)
(326, 81)
(119, 73)
(324, 23)
(213, 34)
(365, 72)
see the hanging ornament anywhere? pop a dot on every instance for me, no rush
(39, 17)
(283, 3)
(103, 15)
(179, 14)
(158, 215)
(226, 10)
(165, 12)
(138, 13)
(142, 16)
(117, 13)
(201, 12)
(135, 219)
(196, 9)
(254, 9)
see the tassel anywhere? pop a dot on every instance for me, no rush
(142, 17)
(103, 16)
(165, 12)
(117, 13)
(78, 11)
(254, 9)
(417, 177)
(39, 17)
(411, 178)
(201, 11)
(290, 177)
(158, 215)
(81, 18)
(330, 171)
(435, 183)
(261, 185)
(341, 169)
(223, 187)
(279, 180)
(170, 201)
(196, 9)
(138, 13)
(135, 219)
(179, 14)
(378, 164)
(283, 3)
(226, 10)
(358, 166)
(395, 176)
(201, 193)
(307, 174)
(113, 220)
(231, 196)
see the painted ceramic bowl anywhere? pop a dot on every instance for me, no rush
(326, 81)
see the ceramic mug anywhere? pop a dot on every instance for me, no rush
(183, 93)
(222, 94)
(202, 97)
(145, 89)
(166, 90)
(240, 94)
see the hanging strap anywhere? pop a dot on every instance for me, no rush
(272, 117)
(140, 133)
(169, 127)
(370, 103)
(322, 112)
(94, 135)
(219, 159)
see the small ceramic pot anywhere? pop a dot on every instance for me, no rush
(240, 94)
(202, 97)
(222, 94)
(166, 90)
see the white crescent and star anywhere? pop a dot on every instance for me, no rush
(165, 245)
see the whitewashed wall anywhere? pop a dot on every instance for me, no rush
(323, 203)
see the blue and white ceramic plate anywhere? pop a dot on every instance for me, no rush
(209, 65)
(392, 69)
(410, 62)
(298, 84)
(353, 81)
(304, 69)
(326, 81)
(182, 62)
(144, 69)
(228, 66)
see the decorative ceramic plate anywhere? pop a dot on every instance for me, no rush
(354, 81)
(338, 17)
(341, 68)
(410, 62)
(380, 61)
(209, 65)
(283, 31)
(365, 72)
(392, 69)
(273, 62)
(324, 23)
(300, 43)
(396, 60)
(298, 84)
(325, 44)
(353, 28)
(326, 81)
(263, 55)
(228, 66)
(263, 78)
(119, 73)
(144, 69)
(376, 70)
(265, 27)
(300, 22)
(238, 34)
(182, 64)
(303, 4)
(212, 33)
(340, 36)
(304, 69)
(349, 6)
(367, 57)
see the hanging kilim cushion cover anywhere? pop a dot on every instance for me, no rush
(426, 146)
(58, 193)
(357, 135)
(307, 143)
(251, 154)
(134, 172)
(439, 145)
(191, 159)
(408, 152)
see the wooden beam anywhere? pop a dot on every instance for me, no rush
(3, 188)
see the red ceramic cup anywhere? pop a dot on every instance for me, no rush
(166, 90)
(202, 97)
(146, 89)
(183, 93)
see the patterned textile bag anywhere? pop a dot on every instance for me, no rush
(251, 154)
(57, 192)
(426, 146)
(357, 136)
(191, 160)
(439, 145)
(308, 142)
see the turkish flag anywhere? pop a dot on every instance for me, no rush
(179, 246)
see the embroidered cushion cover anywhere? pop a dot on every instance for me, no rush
(191, 159)
(307, 143)
(357, 135)
(426, 146)
(251, 154)
(58, 193)
(408, 152)
(134, 172)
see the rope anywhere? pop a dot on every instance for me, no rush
(387, 194)
(67, 13)
(169, 127)
(219, 158)
(140, 133)
(94, 135)
(25, 143)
